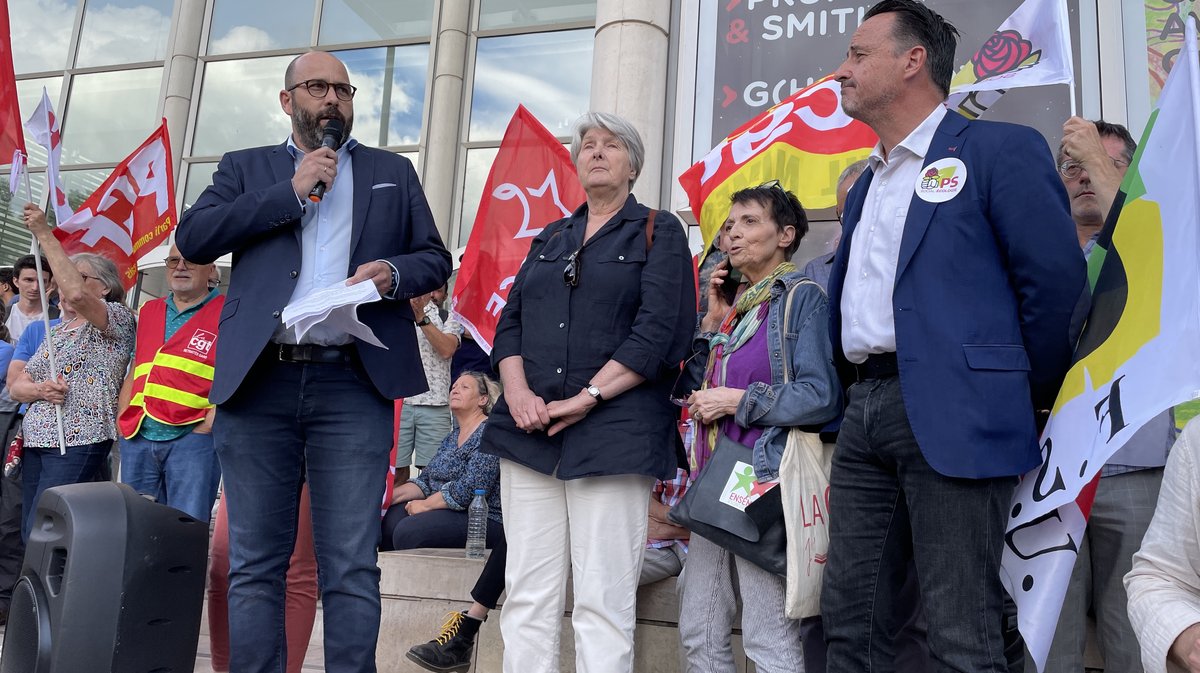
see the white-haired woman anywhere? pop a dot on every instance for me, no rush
(588, 347)
(92, 346)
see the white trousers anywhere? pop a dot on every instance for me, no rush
(594, 526)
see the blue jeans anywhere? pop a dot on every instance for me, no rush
(888, 506)
(44, 468)
(182, 473)
(325, 424)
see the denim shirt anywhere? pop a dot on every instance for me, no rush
(813, 395)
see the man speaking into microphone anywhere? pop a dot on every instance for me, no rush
(315, 409)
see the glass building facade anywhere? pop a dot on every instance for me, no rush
(438, 80)
(105, 65)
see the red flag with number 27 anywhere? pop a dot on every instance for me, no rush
(531, 184)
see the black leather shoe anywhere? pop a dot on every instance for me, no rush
(451, 650)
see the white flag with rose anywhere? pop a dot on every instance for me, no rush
(1031, 48)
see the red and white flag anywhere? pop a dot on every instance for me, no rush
(531, 184)
(11, 137)
(132, 211)
(44, 128)
(804, 142)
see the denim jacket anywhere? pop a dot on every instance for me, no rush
(812, 397)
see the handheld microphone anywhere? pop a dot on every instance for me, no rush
(331, 138)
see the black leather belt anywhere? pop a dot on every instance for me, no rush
(877, 366)
(311, 353)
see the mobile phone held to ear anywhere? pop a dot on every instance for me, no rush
(730, 285)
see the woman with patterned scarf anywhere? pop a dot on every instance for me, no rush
(739, 390)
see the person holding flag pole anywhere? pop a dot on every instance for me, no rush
(92, 345)
(18, 172)
(1136, 357)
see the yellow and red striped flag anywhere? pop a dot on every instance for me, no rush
(804, 142)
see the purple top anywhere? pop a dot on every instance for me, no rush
(744, 366)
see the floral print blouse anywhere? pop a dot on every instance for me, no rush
(457, 471)
(93, 362)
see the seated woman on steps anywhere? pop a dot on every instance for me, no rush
(431, 509)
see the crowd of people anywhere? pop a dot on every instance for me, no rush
(931, 343)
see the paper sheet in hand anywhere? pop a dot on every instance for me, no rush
(335, 306)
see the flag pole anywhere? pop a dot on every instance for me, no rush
(37, 261)
(1064, 21)
(1194, 71)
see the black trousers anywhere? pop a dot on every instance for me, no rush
(447, 529)
(12, 549)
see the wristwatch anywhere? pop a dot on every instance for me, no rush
(594, 392)
(423, 322)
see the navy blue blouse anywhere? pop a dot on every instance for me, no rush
(457, 471)
(634, 303)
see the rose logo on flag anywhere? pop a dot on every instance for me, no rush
(1031, 48)
(1005, 51)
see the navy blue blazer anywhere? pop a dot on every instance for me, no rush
(251, 211)
(985, 286)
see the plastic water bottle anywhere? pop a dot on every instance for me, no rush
(477, 520)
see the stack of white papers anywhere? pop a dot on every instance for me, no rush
(336, 307)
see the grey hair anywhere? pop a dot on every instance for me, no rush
(216, 273)
(485, 385)
(105, 271)
(852, 171)
(619, 127)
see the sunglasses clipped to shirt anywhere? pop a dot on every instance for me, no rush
(572, 270)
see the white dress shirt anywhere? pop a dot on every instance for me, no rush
(867, 322)
(324, 245)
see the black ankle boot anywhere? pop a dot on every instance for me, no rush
(451, 650)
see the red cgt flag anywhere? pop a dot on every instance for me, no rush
(11, 137)
(132, 211)
(532, 183)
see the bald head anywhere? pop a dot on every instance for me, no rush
(309, 112)
(311, 59)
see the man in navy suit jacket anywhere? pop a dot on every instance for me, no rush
(950, 303)
(315, 408)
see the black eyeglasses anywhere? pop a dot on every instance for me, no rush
(571, 271)
(174, 262)
(318, 88)
(771, 184)
(1071, 169)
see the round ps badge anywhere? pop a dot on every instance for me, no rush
(941, 180)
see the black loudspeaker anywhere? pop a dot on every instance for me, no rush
(112, 582)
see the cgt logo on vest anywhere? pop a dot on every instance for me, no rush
(201, 343)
